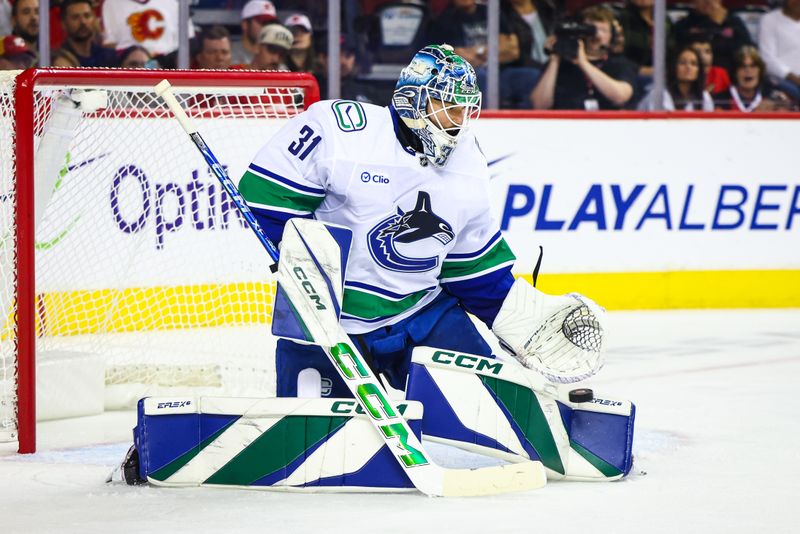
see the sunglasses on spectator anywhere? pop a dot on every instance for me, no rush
(264, 19)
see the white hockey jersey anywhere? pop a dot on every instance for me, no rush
(415, 226)
(152, 24)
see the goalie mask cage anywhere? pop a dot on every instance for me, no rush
(120, 251)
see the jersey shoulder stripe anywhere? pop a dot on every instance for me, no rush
(496, 257)
(269, 175)
(265, 193)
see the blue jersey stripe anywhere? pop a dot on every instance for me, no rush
(468, 255)
(381, 291)
(287, 181)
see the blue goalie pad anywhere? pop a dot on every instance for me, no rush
(504, 410)
(319, 246)
(284, 444)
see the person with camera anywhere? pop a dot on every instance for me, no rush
(581, 74)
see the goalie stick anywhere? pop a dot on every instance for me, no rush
(428, 477)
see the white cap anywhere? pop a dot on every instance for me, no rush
(276, 35)
(298, 19)
(259, 8)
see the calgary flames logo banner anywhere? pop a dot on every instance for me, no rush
(148, 24)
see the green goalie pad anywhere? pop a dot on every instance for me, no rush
(504, 410)
(276, 443)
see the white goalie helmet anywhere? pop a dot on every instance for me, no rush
(437, 97)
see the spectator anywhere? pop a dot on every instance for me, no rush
(594, 79)
(351, 87)
(464, 26)
(214, 49)
(750, 91)
(728, 32)
(136, 57)
(276, 41)
(15, 53)
(685, 89)
(152, 24)
(301, 56)
(779, 42)
(25, 22)
(538, 19)
(638, 26)
(80, 25)
(255, 15)
(5, 18)
(64, 59)
(717, 79)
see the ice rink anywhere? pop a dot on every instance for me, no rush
(716, 446)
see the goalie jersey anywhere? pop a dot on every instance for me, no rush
(417, 229)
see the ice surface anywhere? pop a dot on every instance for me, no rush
(717, 449)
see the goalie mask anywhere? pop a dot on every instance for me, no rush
(437, 96)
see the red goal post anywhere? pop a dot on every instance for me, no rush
(120, 137)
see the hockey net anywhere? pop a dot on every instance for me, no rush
(140, 273)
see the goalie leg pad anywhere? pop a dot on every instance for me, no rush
(501, 409)
(285, 444)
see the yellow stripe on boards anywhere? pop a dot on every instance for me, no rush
(244, 303)
(680, 289)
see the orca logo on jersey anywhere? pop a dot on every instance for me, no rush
(410, 241)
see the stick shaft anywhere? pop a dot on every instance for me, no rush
(164, 90)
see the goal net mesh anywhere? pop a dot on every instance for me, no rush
(142, 260)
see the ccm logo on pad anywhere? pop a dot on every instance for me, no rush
(173, 404)
(374, 178)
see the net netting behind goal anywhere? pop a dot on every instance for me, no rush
(141, 262)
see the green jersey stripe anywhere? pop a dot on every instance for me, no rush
(370, 306)
(267, 193)
(496, 256)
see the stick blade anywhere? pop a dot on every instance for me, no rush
(523, 476)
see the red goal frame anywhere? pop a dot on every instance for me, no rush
(24, 89)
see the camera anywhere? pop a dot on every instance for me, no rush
(567, 35)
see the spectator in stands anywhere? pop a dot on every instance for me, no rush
(255, 15)
(64, 59)
(717, 79)
(728, 32)
(136, 57)
(532, 20)
(15, 53)
(152, 24)
(685, 89)
(5, 18)
(302, 55)
(80, 25)
(464, 26)
(638, 27)
(594, 79)
(779, 42)
(276, 40)
(351, 86)
(751, 90)
(25, 22)
(213, 49)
